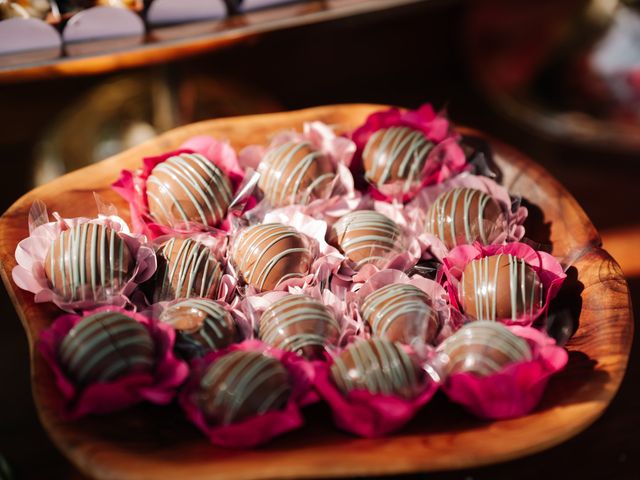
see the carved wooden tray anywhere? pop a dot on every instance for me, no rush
(151, 442)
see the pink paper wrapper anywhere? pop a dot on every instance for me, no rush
(366, 414)
(445, 160)
(517, 389)
(347, 279)
(100, 398)
(31, 253)
(510, 224)
(132, 186)
(548, 269)
(343, 196)
(435, 291)
(261, 428)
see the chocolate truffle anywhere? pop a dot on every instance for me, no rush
(378, 366)
(300, 324)
(396, 154)
(265, 255)
(202, 326)
(186, 268)
(500, 287)
(366, 236)
(242, 384)
(483, 348)
(463, 215)
(88, 261)
(104, 347)
(188, 188)
(401, 313)
(294, 172)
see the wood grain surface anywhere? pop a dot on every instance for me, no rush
(152, 442)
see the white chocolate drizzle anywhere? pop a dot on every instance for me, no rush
(106, 335)
(191, 271)
(389, 152)
(290, 311)
(380, 367)
(206, 188)
(240, 375)
(485, 288)
(382, 234)
(473, 347)
(439, 217)
(215, 321)
(276, 186)
(76, 272)
(256, 243)
(386, 305)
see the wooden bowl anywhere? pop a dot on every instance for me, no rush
(153, 442)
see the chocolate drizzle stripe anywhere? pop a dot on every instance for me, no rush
(183, 181)
(174, 201)
(216, 173)
(201, 184)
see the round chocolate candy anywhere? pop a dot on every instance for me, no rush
(500, 287)
(294, 172)
(267, 254)
(483, 348)
(396, 154)
(378, 366)
(88, 261)
(463, 215)
(366, 236)
(186, 268)
(300, 324)
(202, 326)
(105, 346)
(242, 384)
(188, 188)
(401, 313)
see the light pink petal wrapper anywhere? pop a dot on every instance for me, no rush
(517, 389)
(343, 196)
(365, 414)
(260, 428)
(132, 186)
(548, 269)
(31, 253)
(101, 398)
(435, 291)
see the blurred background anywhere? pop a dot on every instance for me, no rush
(558, 79)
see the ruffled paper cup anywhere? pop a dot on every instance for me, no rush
(342, 197)
(132, 186)
(547, 268)
(259, 429)
(158, 387)
(509, 226)
(517, 389)
(349, 279)
(445, 160)
(448, 323)
(31, 253)
(365, 414)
